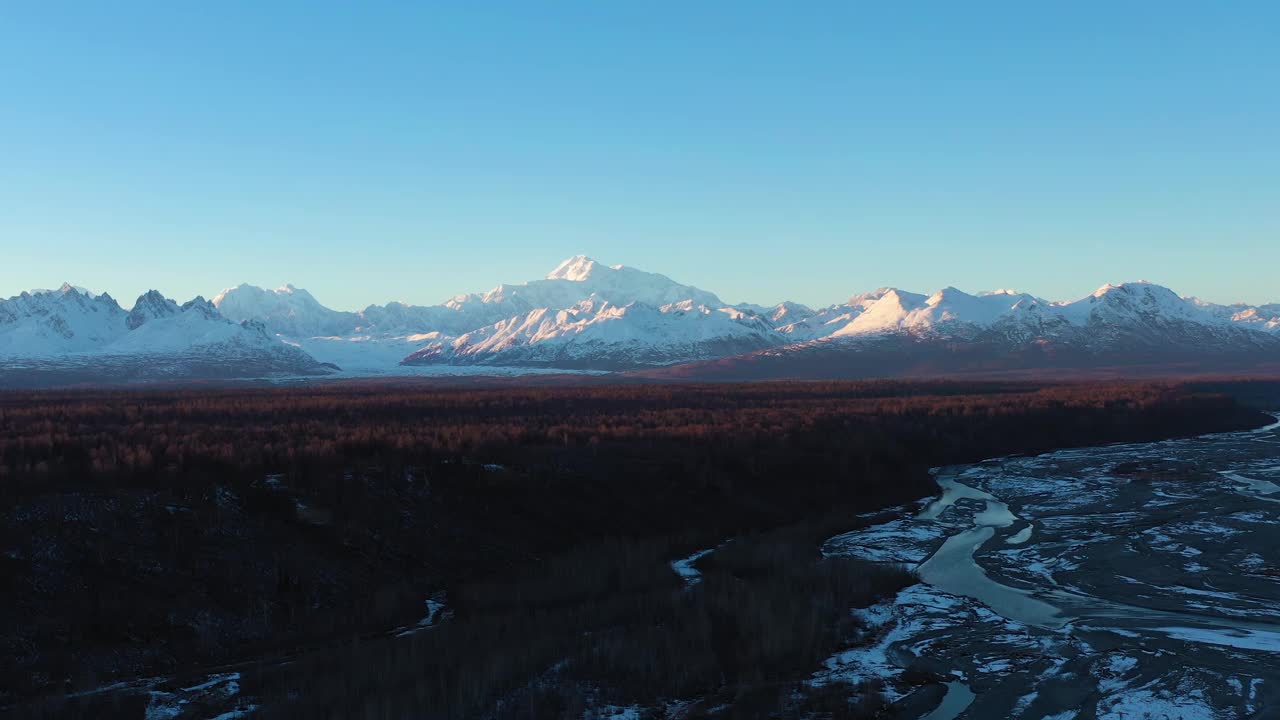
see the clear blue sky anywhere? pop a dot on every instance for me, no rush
(410, 150)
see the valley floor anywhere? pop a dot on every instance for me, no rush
(587, 552)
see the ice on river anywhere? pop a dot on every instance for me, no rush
(952, 491)
(1262, 487)
(1021, 536)
(1139, 583)
(686, 569)
(958, 699)
(953, 569)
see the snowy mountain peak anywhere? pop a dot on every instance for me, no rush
(946, 294)
(151, 305)
(1142, 297)
(291, 289)
(1134, 287)
(787, 312)
(287, 310)
(65, 289)
(864, 299)
(573, 280)
(577, 269)
(150, 297)
(1144, 306)
(242, 289)
(200, 305)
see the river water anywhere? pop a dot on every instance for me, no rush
(1125, 581)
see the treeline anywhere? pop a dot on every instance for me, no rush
(144, 533)
(88, 437)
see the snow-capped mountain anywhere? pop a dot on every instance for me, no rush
(585, 315)
(1138, 325)
(599, 335)
(70, 335)
(890, 310)
(1261, 317)
(50, 323)
(783, 313)
(1138, 306)
(151, 305)
(577, 279)
(287, 311)
(581, 315)
(294, 313)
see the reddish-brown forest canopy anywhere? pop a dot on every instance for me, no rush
(282, 430)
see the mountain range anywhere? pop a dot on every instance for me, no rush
(588, 317)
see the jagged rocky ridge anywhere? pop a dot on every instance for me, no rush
(69, 336)
(588, 316)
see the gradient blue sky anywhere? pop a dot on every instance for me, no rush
(412, 150)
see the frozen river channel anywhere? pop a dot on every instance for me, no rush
(1125, 581)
